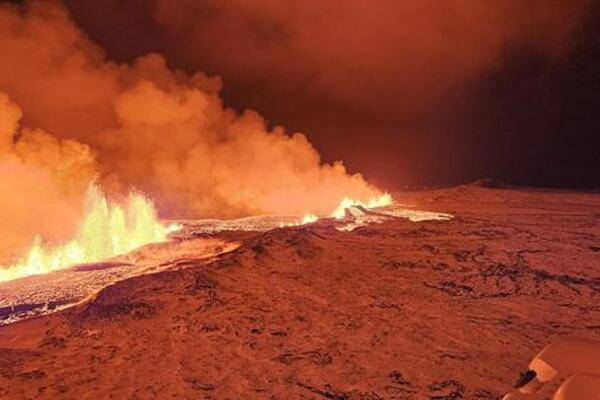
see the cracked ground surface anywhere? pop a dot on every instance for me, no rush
(437, 310)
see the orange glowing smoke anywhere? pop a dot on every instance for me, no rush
(69, 117)
(107, 230)
(164, 131)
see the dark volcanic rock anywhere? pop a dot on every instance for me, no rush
(437, 310)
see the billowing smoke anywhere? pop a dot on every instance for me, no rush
(69, 115)
(410, 87)
(42, 183)
(140, 124)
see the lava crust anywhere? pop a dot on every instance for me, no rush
(448, 309)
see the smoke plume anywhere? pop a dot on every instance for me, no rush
(43, 179)
(69, 115)
(139, 125)
(403, 91)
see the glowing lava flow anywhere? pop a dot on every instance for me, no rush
(340, 211)
(106, 231)
(381, 201)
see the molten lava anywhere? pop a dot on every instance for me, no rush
(111, 229)
(381, 201)
(347, 202)
(107, 230)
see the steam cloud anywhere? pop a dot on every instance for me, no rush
(138, 124)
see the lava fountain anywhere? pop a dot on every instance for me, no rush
(107, 230)
(110, 229)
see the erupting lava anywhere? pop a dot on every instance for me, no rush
(340, 211)
(381, 201)
(107, 230)
(110, 229)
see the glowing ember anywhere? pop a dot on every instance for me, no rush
(106, 231)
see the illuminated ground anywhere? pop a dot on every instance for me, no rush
(439, 309)
(43, 294)
(197, 240)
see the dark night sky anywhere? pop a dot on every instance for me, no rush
(506, 92)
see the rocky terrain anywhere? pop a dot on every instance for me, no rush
(439, 309)
(43, 294)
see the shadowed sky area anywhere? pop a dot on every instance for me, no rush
(418, 93)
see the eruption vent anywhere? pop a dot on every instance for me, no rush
(107, 230)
